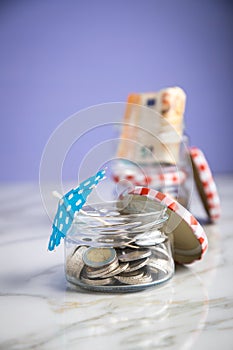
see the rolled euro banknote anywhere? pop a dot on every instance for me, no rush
(153, 135)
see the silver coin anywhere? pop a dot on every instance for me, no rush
(134, 203)
(159, 265)
(116, 240)
(144, 279)
(133, 246)
(70, 266)
(74, 262)
(121, 268)
(133, 274)
(150, 235)
(151, 238)
(148, 242)
(98, 282)
(132, 255)
(75, 250)
(92, 272)
(136, 265)
(99, 257)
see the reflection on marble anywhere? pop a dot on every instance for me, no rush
(39, 310)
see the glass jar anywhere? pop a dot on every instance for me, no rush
(176, 180)
(119, 246)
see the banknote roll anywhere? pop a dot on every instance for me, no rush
(153, 127)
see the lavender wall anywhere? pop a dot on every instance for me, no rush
(57, 57)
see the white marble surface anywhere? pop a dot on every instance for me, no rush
(39, 310)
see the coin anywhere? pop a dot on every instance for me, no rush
(133, 274)
(134, 204)
(97, 282)
(145, 278)
(121, 268)
(131, 255)
(150, 238)
(133, 246)
(74, 262)
(136, 265)
(116, 240)
(159, 264)
(148, 242)
(149, 235)
(70, 266)
(75, 250)
(98, 257)
(92, 272)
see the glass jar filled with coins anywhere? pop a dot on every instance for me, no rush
(119, 246)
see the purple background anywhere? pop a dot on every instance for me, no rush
(57, 57)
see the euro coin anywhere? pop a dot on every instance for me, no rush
(132, 255)
(92, 272)
(159, 265)
(133, 274)
(150, 238)
(99, 257)
(121, 268)
(143, 279)
(74, 262)
(97, 282)
(136, 265)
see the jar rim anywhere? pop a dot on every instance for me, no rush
(102, 212)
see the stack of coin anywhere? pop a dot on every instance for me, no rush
(99, 266)
(137, 271)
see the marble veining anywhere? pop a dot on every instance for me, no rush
(40, 310)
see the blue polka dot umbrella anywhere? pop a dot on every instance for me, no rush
(68, 205)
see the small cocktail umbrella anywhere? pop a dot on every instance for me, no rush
(68, 205)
